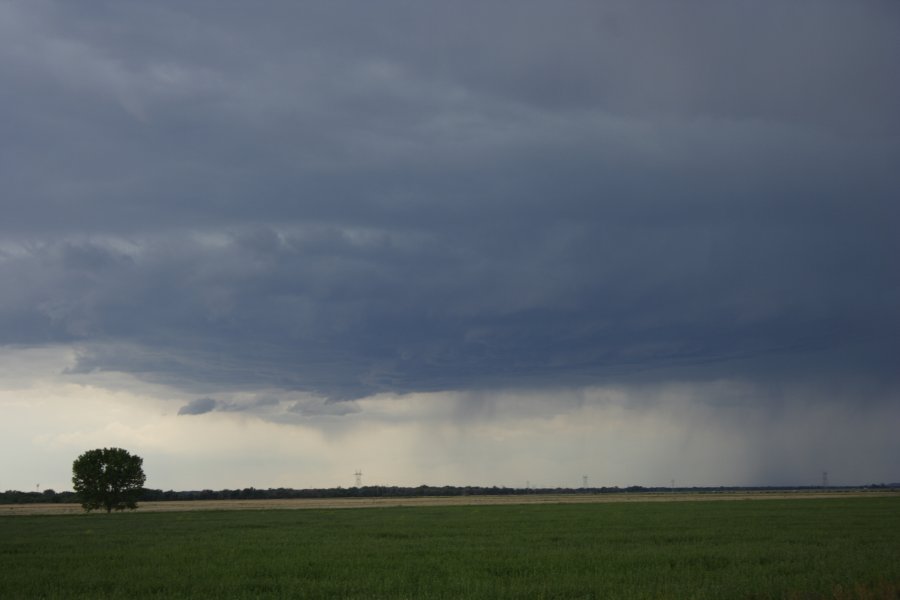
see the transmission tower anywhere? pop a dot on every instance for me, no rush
(584, 481)
(824, 479)
(358, 475)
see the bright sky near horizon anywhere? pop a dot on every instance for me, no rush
(481, 243)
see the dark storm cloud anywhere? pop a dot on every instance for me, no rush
(348, 199)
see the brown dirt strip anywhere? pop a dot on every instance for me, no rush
(306, 503)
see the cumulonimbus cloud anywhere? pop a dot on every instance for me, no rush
(370, 214)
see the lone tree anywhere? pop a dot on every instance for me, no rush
(110, 478)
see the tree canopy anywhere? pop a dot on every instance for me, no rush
(109, 478)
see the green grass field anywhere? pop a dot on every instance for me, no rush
(826, 548)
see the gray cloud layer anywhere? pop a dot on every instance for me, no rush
(348, 199)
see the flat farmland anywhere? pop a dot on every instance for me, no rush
(839, 546)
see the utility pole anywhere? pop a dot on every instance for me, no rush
(358, 475)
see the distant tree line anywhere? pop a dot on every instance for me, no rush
(379, 491)
(46, 496)
(369, 491)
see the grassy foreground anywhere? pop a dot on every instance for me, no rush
(828, 548)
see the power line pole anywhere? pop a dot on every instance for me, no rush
(358, 475)
(824, 480)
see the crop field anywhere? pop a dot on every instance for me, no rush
(832, 548)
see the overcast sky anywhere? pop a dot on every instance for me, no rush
(269, 244)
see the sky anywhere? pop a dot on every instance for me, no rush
(469, 243)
